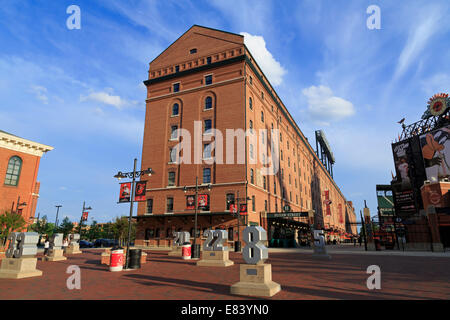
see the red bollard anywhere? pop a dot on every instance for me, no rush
(186, 251)
(116, 263)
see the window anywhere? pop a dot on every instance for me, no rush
(208, 103)
(290, 196)
(192, 51)
(264, 183)
(207, 151)
(274, 187)
(176, 87)
(208, 80)
(262, 116)
(169, 205)
(251, 80)
(251, 151)
(206, 175)
(208, 60)
(149, 205)
(13, 171)
(262, 95)
(281, 154)
(253, 203)
(276, 207)
(171, 181)
(265, 205)
(177, 68)
(288, 145)
(174, 133)
(251, 126)
(281, 137)
(175, 109)
(208, 124)
(230, 200)
(250, 103)
(263, 133)
(252, 180)
(289, 162)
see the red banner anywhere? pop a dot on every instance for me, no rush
(125, 192)
(190, 202)
(233, 208)
(243, 209)
(85, 216)
(341, 216)
(139, 194)
(203, 202)
(327, 203)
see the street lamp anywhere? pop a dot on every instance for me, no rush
(195, 247)
(132, 175)
(57, 211)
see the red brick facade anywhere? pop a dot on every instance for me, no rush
(236, 78)
(27, 187)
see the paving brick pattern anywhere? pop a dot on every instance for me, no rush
(301, 277)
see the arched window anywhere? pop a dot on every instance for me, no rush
(208, 103)
(13, 171)
(175, 109)
(250, 103)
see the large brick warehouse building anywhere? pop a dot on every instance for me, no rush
(208, 80)
(19, 166)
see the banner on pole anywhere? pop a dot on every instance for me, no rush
(125, 192)
(139, 194)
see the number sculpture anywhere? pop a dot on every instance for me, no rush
(180, 238)
(255, 252)
(22, 244)
(215, 240)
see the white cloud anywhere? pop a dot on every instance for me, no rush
(271, 67)
(323, 107)
(40, 93)
(106, 98)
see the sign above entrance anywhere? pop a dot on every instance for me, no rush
(287, 214)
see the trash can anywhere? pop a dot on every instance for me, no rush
(116, 261)
(134, 261)
(237, 246)
(186, 251)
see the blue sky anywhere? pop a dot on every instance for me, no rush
(81, 91)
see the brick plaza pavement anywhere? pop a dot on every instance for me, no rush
(301, 277)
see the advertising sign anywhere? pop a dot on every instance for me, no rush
(85, 215)
(385, 201)
(190, 202)
(233, 208)
(401, 151)
(405, 201)
(436, 153)
(125, 192)
(139, 194)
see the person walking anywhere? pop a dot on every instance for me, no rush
(65, 244)
(46, 246)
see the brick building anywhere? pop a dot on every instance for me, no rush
(210, 76)
(19, 165)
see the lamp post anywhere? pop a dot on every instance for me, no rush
(195, 247)
(132, 175)
(57, 211)
(82, 211)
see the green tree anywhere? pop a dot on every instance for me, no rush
(10, 222)
(43, 227)
(120, 230)
(65, 227)
(95, 231)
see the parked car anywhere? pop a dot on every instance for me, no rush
(86, 244)
(105, 243)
